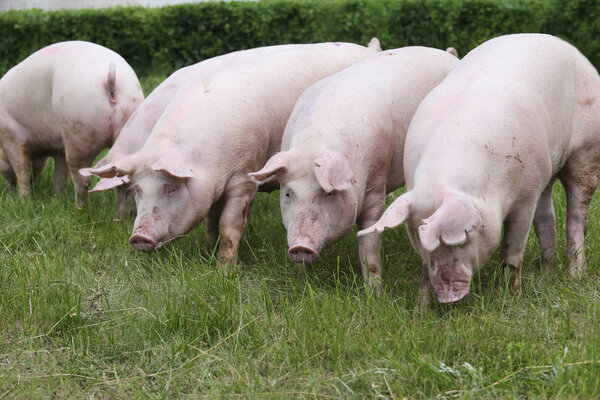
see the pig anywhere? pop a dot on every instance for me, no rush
(140, 124)
(215, 130)
(342, 150)
(68, 101)
(483, 151)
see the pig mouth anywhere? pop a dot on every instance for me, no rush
(451, 293)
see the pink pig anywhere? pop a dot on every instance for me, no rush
(483, 151)
(68, 101)
(342, 150)
(140, 124)
(216, 129)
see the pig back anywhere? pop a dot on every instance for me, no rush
(66, 83)
(364, 111)
(234, 119)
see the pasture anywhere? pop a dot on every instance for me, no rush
(82, 315)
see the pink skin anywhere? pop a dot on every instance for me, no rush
(93, 93)
(342, 150)
(140, 125)
(481, 156)
(218, 127)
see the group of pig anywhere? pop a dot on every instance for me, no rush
(478, 142)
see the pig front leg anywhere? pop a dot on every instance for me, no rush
(516, 231)
(369, 246)
(213, 219)
(237, 206)
(61, 173)
(544, 222)
(425, 291)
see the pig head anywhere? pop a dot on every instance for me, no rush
(318, 203)
(169, 197)
(451, 238)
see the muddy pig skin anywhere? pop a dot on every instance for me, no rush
(484, 149)
(140, 124)
(342, 150)
(68, 101)
(215, 130)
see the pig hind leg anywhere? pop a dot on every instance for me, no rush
(544, 221)
(516, 230)
(81, 183)
(237, 206)
(20, 161)
(580, 179)
(369, 246)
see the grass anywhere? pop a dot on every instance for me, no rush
(82, 315)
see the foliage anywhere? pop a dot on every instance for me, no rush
(164, 39)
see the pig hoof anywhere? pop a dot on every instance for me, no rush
(142, 243)
(302, 254)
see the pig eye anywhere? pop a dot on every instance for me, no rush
(288, 193)
(171, 189)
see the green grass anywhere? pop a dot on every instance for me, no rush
(82, 315)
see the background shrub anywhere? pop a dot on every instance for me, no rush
(171, 37)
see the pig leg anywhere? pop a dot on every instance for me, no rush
(369, 246)
(212, 223)
(425, 291)
(21, 162)
(544, 221)
(61, 172)
(238, 197)
(580, 182)
(516, 231)
(77, 157)
(14, 146)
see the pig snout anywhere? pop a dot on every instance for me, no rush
(302, 254)
(451, 283)
(142, 242)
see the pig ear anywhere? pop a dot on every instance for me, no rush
(276, 165)
(395, 215)
(451, 223)
(121, 167)
(85, 172)
(374, 44)
(452, 51)
(109, 183)
(333, 172)
(172, 165)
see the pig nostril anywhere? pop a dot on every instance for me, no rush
(302, 254)
(142, 243)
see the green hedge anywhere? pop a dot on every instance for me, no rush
(171, 37)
